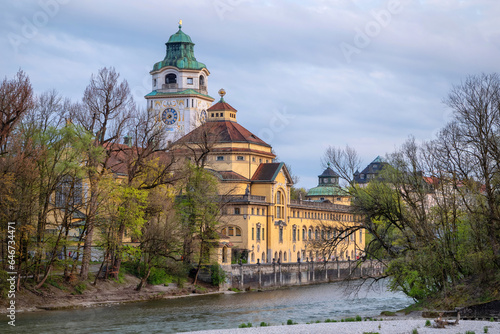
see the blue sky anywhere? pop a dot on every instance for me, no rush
(303, 75)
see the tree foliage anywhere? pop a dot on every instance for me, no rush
(432, 213)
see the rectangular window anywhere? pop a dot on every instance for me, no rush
(236, 211)
(263, 212)
(252, 232)
(360, 236)
(263, 234)
(281, 234)
(189, 81)
(294, 234)
(230, 231)
(253, 159)
(258, 212)
(220, 158)
(258, 233)
(240, 158)
(252, 211)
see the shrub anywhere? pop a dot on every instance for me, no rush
(427, 323)
(358, 318)
(470, 332)
(263, 324)
(290, 322)
(217, 274)
(485, 329)
(80, 287)
(414, 331)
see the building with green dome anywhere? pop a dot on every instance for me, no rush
(179, 98)
(328, 189)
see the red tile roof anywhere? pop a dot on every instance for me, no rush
(267, 172)
(221, 106)
(222, 132)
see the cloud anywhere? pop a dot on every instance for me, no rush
(277, 56)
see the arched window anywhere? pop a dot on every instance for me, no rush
(224, 232)
(263, 257)
(202, 80)
(298, 256)
(171, 78)
(253, 257)
(322, 234)
(304, 234)
(224, 254)
(281, 256)
(284, 256)
(275, 256)
(238, 232)
(310, 234)
(316, 234)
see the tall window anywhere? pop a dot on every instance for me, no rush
(303, 234)
(281, 234)
(280, 205)
(294, 234)
(258, 233)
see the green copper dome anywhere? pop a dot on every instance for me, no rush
(326, 191)
(180, 53)
(180, 37)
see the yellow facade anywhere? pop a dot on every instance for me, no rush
(260, 220)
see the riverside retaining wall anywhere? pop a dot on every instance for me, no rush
(273, 275)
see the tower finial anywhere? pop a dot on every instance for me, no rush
(222, 92)
(180, 24)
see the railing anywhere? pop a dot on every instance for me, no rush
(203, 89)
(247, 198)
(170, 86)
(320, 205)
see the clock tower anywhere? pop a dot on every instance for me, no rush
(179, 98)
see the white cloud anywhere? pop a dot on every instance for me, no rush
(278, 55)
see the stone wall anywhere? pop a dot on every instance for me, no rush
(273, 275)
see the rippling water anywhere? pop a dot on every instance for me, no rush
(301, 304)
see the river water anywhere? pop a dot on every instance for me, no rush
(301, 304)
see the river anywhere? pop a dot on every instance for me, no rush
(301, 304)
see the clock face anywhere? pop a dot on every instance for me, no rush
(169, 116)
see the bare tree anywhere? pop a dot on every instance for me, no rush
(16, 98)
(107, 107)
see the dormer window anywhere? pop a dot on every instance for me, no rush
(202, 80)
(240, 158)
(220, 158)
(189, 81)
(154, 82)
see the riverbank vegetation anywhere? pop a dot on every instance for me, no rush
(95, 181)
(432, 214)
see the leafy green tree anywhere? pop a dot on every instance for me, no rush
(198, 209)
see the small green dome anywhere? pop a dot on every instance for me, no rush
(179, 37)
(326, 191)
(180, 53)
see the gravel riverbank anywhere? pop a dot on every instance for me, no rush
(398, 326)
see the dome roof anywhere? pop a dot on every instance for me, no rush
(326, 191)
(180, 53)
(180, 37)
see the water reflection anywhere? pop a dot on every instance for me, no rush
(302, 304)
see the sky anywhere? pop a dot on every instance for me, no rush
(303, 75)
